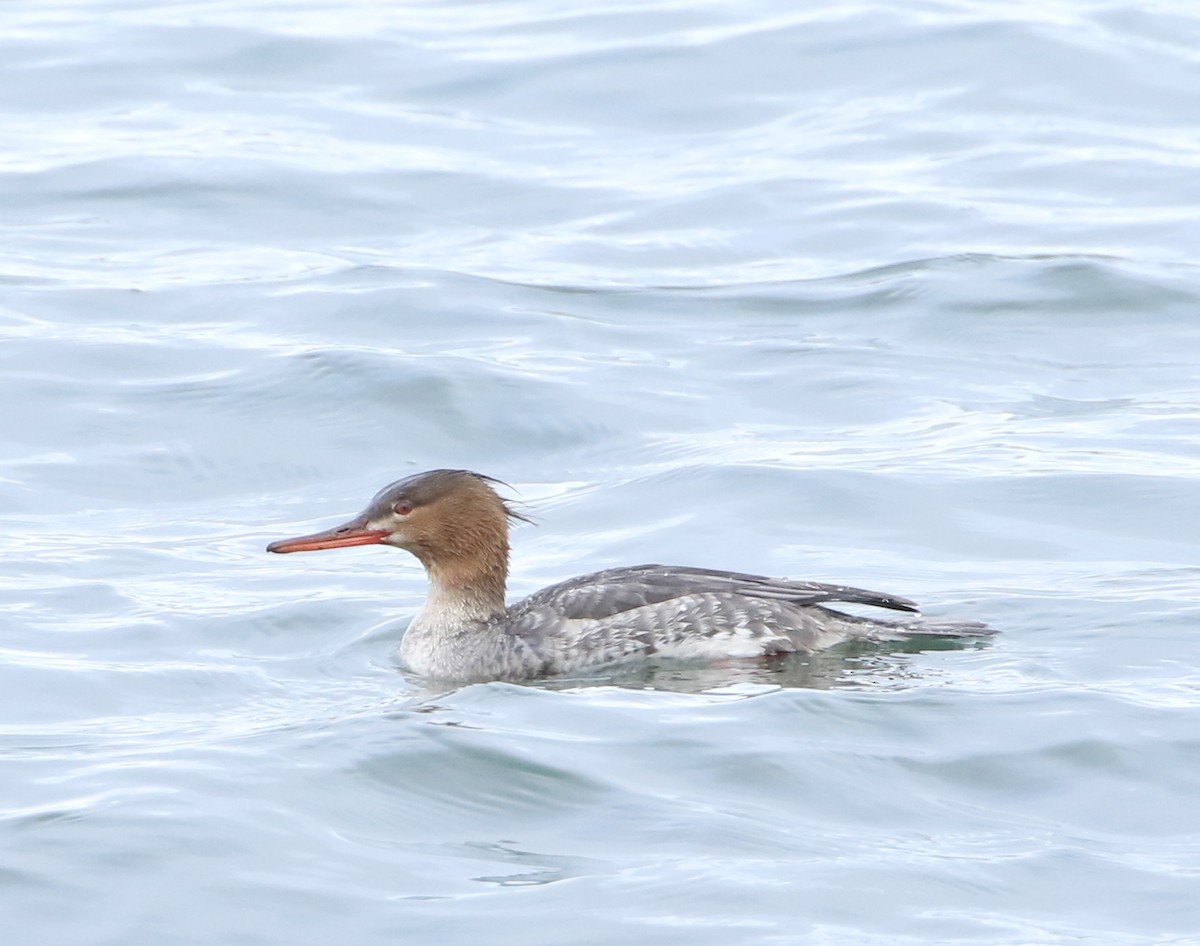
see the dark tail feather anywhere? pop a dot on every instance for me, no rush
(865, 628)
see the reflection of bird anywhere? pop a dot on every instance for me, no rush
(457, 526)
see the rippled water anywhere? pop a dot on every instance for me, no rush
(903, 296)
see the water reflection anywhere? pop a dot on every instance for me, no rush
(857, 666)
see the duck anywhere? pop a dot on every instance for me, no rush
(456, 524)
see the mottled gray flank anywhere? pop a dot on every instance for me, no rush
(663, 610)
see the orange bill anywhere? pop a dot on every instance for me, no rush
(354, 532)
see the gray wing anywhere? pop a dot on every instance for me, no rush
(615, 590)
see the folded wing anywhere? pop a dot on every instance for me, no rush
(607, 593)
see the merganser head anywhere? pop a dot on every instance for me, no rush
(443, 517)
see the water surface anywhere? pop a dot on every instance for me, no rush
(902, 298)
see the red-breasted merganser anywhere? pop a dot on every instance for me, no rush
(456, 524)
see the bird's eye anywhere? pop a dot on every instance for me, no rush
(403, 508)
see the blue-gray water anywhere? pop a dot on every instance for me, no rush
(899, 295)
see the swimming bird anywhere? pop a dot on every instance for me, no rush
(456, 524)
